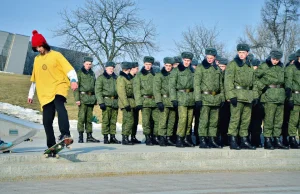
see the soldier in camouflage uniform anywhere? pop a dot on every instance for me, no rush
(270, 76)
(85, 99)
(182, 97)
(126, 101)
(177, 61)
(241, 90)
(209, 96)
(144, 99)
(292, 85)
(164, 104)
(107, 97)
(134, 70)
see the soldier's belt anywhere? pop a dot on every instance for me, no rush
(186, 90)
(210, 92)
(165, 95)
(146, 96)
(111, 97)
(275, 86)
(296, 92)
(88, 93)
(242, 88)
(130, 97)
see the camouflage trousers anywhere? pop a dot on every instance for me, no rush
(166, 122)
(273, 119)
(109, 120)
(294, 121)
(209, 119)
(127, 122)
(185, 119)
(149, 114)
(85, 116)
(240, 119)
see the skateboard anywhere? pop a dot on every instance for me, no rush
(58, 147)
(19, 140)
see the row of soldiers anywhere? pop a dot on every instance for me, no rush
(228, 106)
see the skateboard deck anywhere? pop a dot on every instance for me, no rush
(58, 147)
(19, 140)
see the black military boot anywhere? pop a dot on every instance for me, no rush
(197, 141)
(268, 143)
(134, 139)
(80, 138)
(105, 139)
(233, 143)
(212, 143)
(162, 141)
(293, 143)
(155, 140)
(125, 140)
(113, 139)
(179, 142)
(169, 141)
(188, 141)
(278, 144)
(203, 143)
(91, 139)
(246, 145)
(285, 141)
(148, 140)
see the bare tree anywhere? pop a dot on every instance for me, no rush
(108, 29)
(198, 38)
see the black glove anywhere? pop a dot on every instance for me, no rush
(233, 101)
(128, 108)
(198, 105)
(288, 92)
(222, 104)
(102, 106)
(160, 106)
(255, 101)
(139, 107)
(175, 103)
(291, 105)
(265, 89)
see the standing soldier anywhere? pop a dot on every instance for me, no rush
(134, 70)
(270, 75)
(242, 93)
(144, 99)
(85, 100)
(177, 61)
(182, 97)
(164, 104)
(107, 97)
(126, 101)
(292, 85)
(209, 96)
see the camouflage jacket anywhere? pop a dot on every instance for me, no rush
(208, 78)
(292, 80)
(86, 83)
(105, 90)
(182, 78)
(161, 88)
(125, 91)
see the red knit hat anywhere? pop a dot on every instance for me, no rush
(37, 39)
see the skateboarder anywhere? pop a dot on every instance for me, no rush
(52, 76)
(4, 144)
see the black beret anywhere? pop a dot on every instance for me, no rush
(110, 64)
(148, 59)
(211, 51)
(194, 62)
(223, 61)
(292, 57)
(134, 64)
(169, 60)
(243, 47)
(276, 53)
(298, 53)
(255, 62)
(250, 56)
(90, 59)
(126, 65)
(177, 59)
(187, 55)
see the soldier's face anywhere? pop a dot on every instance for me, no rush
(109, 70)
(175, 65)
(210, 58)
(87, 65)
(148, 66)
(242, 54)
(134, 70)
(222, 67)
(274, 61)
(168, 67)
(187, 62)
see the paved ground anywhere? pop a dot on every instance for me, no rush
(227, 182)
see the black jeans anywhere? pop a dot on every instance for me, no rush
(48, 116)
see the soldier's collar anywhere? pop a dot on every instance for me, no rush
(164, 72)
(207, 65)
(181, 67)
(124, 75)
(145, 72)
(113, 75)
(269, 63)
(85, 71)
(240, 62)
(297, 64)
